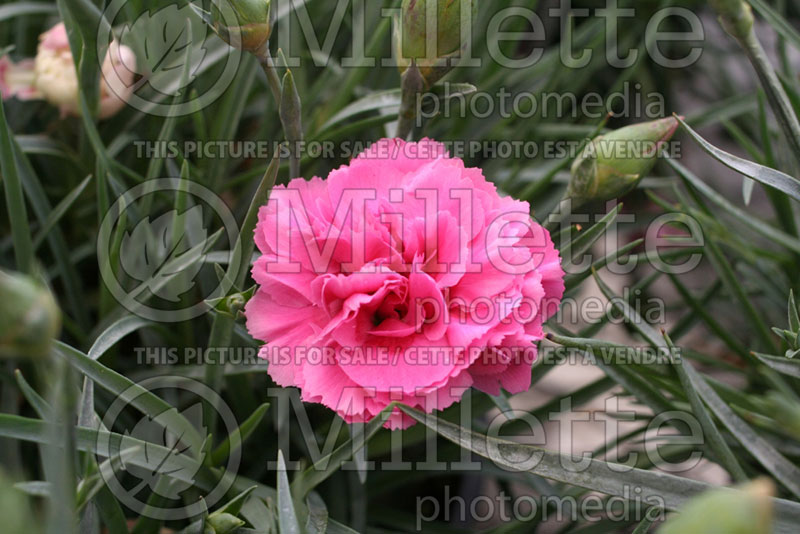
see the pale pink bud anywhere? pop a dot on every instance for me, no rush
(117, 79)
(51, 75)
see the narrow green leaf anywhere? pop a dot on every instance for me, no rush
(199, 526)
(632, 382)
(234, 506)
(580, 245)
(317, 522)
(783, 365)
(258, 514)
(20, 9)
(114, 333)
(573, 281)
(245, 244)
(728, 109)
(372, 102)
(354, 76)
(35, 488)
(715, 440)
(36, 401)
(83, 21)
(781, 468)
(501, 401)
(91, 485)
(794, 317)
(644, 526)
(779, 23)
(168, 126)
(748, 219)
(734, 285)
(238, 437)
(131, 393)
(776, 95)
(111, 512)
(151, 456)
(15, 200)
(334, 527)
(168, 272)
(59, 211)
(287, 518)
(604, 477)
(770, 177)
(385, 100)
(702, 311)
(325, 467)
(148, 522)
(73, 287)
(232, 105)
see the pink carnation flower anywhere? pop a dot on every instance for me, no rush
(51, 75)
(403, 277)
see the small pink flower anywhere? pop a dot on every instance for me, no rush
(51, 75)
(403, 277)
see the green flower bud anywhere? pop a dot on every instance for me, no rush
(747, 511)
(222, 523)
(612, 165)
(29, 317)
(444, 39)
(243, 24)
(736, 16)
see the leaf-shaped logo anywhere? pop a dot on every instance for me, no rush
(165, 452)
(165, 40)
(166, 254)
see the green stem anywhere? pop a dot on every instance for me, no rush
(412, 85)
(220, 336)
(292, 120)
(268, 65)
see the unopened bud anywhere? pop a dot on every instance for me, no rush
(51, 75)
(291, 109)
(222, 523)
(612, 165)
(736, 16)
(29, 317)
(746, 511)
(243, 24)
(430, 34)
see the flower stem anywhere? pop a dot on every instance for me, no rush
(412, 85)
(267, 63)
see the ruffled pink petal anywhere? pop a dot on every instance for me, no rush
(55, 38)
